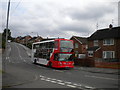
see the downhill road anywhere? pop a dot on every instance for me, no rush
(22, 73)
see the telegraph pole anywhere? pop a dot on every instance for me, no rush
(7, 23)
(7, 32)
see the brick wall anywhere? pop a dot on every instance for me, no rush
(79, 49)
(118, 48)
(113, 65)
(84, 62)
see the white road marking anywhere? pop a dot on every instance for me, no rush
(88, 87)
(41, 76)
(77, 84)
(10, 49)
(58, 71)
(6, 58)
(24, 60)
(61, 83)
(9, 60)
(59, 80)
(19, 54)
(47, 80)
(71, 86)
(68, 82)
(101, 77)
(65, 83)
(53, 81)
(43, 79)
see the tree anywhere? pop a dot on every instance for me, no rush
(4, 37)
(4, 34)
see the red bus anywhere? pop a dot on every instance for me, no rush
(57, 53)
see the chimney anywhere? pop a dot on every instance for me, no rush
(110, 26)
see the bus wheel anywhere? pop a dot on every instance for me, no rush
(34, 61)
(50, 65)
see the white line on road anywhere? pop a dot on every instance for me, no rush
(19, 54)
(59, 80)
(58, 71)
(41, 76)
(53, 81)
(77, 84)
(101, 77)
(65, 83)
(71, 86)
(47, 80)
(88, 87)
(61, 83)
(68, 82)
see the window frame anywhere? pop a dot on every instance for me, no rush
(90, 53)
(111, 52)
(96, 43)
(106, 43)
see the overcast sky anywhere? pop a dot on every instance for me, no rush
(59, 18)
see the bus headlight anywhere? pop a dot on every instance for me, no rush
(60, 63)
(73, 63)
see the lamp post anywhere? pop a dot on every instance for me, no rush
(7, 23)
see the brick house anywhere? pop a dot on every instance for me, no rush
(35, 39)
(80, 46)
(104, 45)
(24, 40)
(18, 39)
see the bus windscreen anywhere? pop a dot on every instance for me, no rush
(65, 57)
(66, 46)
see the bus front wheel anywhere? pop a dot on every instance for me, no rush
(35, 61)
(50, 65)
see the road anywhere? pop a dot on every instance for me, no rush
(22, 73)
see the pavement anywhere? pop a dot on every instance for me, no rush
(13, 76)
(99, 70)
(26, 49)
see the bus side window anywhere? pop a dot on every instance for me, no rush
(47, 45)
(51, 44)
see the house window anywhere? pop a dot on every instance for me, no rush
(95, 42)
(76, 45)
(90, 53)
(108, 54)
(108, 42)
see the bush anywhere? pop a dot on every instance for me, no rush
(3, 44)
